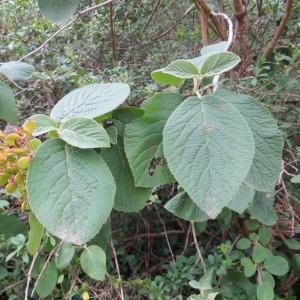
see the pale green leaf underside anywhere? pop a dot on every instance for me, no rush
(35, 235)
(242, 199)
(17, 70)
(181, 68)
(183, 207)
(64, 256)
(214, 48)
(218, 63)
(268, 140)
(57, 11)
(71, 191)
(209, 149)
(128, 197)
(43, 124)
(166, 79)
(90, 101)
(84, 133)
(8, 108)
(143, 141)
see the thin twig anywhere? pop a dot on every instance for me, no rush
(197, 247)
(29, 275)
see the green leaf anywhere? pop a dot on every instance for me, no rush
(8, 108)
(243, 244)
(84, 133)
(218, 63)
(35, 235)
(113, 134)
(249, 266)
(90, 101)
(242, 199)
(143, 141)
(17, 70)
(296, 179)
(295, 263)
(214, 48)
(93, 262)
(4, 203)
(166, 79)
(183, 207)
(71, 191)
(58, 11)
(265, 291)
(43, 124)
(260, 253)
(11, 226)
(205, 283)
(268, 140)
(276, 265)
(103, 236)
(128, 197)
(264, 235)
(3, 273)
(47, 281)
(209, 149)
(292, 244)
(266, 276)
(262, 208)
(182, 69)
(65, 256)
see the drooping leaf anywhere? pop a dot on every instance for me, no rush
(8, 108)
(268, 140)
(35, 235)
(128, 197)
(218, 63)
(262, 208)
(183, 207)
(84, 133)
(209, 149)
(242, 199)
(143, 141)
(166, 79)
(65, 256)
(58, 11)
(43, 124)
(265, 291)
(276, 265)
(47, 281)
(90, 101)
(113, 134)
(10, 226)
(71, 191)
(214, 48)
(17, 70)
(93, 262)
(182, 69)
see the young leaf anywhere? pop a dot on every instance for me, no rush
(243, 244)
(166, 79)
(265, 291)
(209, 149)
(93, 262)
(181, 68)
(65, 256)
(242, 199)
(84, 133)
(143, 141)
(58, 11)
(276, 265)
(90, 101)
(218, 63)
(262, 208)
(8, 108)
(43, 124)
(268, 140)
(128, 197)
(35, 235)
(264, 235)
(183, 207)
(17, 70)
(260, 253)
(47, 281)
(71, 191)
(214, 48)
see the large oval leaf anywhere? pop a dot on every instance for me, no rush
(8, 108)
(84, 133)
(181, 68)
(268, 140)
(58, 11)
(17, 70)
(166, 79)
(90, 101)
(143, 141)
(71, 191)
(128, 197)
(47, 281)
(209, 149)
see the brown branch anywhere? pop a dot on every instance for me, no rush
(268, 49)
(152, 235)
(203, 20)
